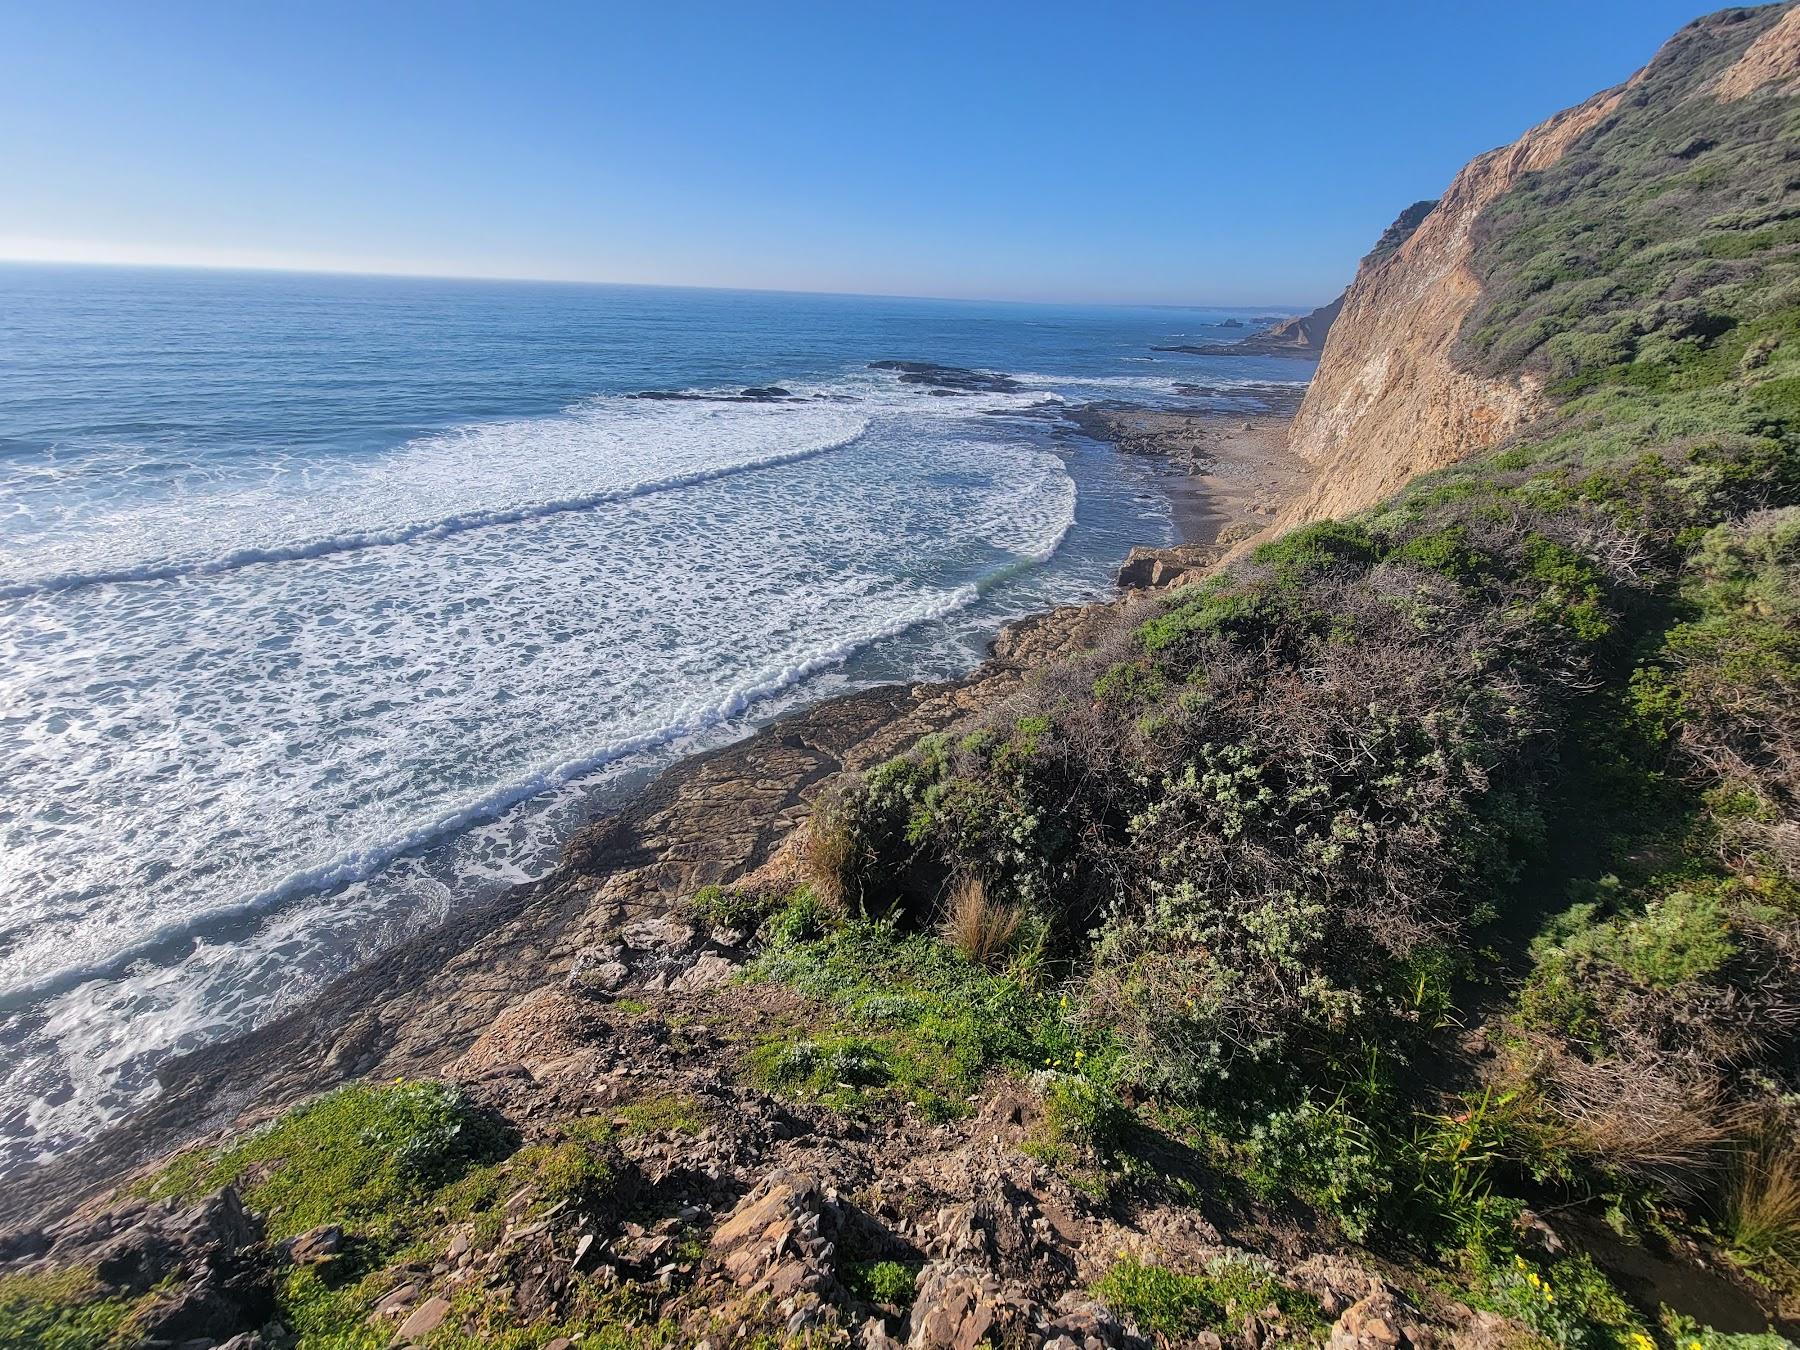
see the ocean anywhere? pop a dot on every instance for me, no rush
(329, 604)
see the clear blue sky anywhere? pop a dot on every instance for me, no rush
(1244, 151)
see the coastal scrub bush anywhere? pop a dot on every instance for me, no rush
(1528, 730)
(886, 1282)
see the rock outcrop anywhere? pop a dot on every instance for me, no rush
(1772, 61)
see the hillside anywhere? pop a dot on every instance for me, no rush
(1390, 941)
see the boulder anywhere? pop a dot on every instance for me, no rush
(599, 970)
(709, 969)
(664, 935)
(1380, 1321)
(1150, 568)
(961, 1307)
(781, 1238)
(425, 1319)
(207, 1257)
(315, 1246)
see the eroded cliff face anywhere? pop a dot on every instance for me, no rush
(1389, 400)
(1773, 59)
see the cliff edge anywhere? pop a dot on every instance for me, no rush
(1391, 398)
(1388, 401)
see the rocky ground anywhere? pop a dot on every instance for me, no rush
(735, 1212)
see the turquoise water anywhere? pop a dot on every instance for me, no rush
(330, 603)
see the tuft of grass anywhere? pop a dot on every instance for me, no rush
(830, 852)
(1762, 1203)
(979, 928)
(803, 916)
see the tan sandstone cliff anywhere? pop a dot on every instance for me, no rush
(1388, 402)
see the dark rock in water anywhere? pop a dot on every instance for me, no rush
(1230, 323)
(950, 379)
(771, 393)
(1246, 347)
(1267, 397)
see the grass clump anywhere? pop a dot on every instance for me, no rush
(64, 1310)
(1761, 1204)
(1176, 1305)
(979, 929)
(365, 1155)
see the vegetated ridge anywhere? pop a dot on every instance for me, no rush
(1391, 940)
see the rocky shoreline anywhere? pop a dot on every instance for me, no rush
(710, 818)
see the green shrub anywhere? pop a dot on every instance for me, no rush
(723, 907)
(1177, 1305)
(1311, 548)
(802, 917)
(886, 1282)
(1328, 1157)
(1686, 1334)
(1569, 1303)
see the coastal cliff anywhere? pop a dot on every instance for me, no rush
(1387, 941)
(1388, 400)
(1395, 395)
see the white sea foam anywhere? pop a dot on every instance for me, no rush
(283, 509)
(338, 695)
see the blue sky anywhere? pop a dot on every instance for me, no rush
(1235, 153)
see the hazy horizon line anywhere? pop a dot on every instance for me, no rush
(39, 260)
